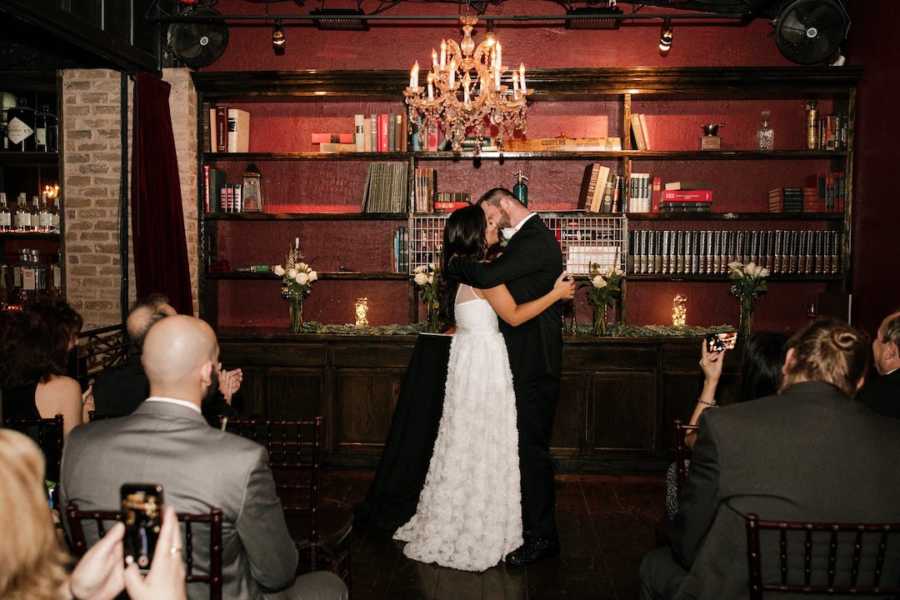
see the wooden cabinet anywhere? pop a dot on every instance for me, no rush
(617, 398)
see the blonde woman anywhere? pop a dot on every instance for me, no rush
(32, 560)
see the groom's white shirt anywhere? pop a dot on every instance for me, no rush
(508, 232)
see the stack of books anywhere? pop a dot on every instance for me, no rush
(686, 197)
(386, 188)
(832, 190)
(226, 130)
(783, 252)
(564, 144)
(786, 200)
(447, 202)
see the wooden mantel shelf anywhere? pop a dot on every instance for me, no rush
(271, 86)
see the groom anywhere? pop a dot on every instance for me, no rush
(529, 266)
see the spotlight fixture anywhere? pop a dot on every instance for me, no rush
(279, 40)
(665, 37)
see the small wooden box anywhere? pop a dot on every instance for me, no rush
(710, 142)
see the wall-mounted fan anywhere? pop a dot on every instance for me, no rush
(809, 32)
(198, 44)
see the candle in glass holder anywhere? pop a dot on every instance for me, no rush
(361, 309)
(679, 311)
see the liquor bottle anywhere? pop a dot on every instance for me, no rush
(20, 126)
(35, 215)
(44, 214)
(7, 103)
(52, 124)
(40, 130)
(5, 214)
(54, 215)
(23, 217)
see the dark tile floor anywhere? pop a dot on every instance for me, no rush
(606, 523)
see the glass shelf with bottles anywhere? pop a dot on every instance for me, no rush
(40, 216)
(29, 278)
(26, 128)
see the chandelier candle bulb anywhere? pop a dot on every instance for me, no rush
(452, 72)
(414, 76)
(522, 77)
(443, 53)
(434, 59)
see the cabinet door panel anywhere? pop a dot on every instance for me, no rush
(294, 393)
(365, 400)
(569, 426)
(623, 410)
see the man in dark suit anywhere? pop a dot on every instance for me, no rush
(166, 441)
(882, 394)
(809, 453)
(120, 390)
(529, 266)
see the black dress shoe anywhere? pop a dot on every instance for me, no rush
(532, 551)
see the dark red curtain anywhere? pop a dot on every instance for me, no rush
(157, 220)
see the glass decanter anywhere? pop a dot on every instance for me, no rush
(766, 135)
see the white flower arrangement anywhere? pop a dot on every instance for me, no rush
(296, 279)
(606, 288)
(427, 278)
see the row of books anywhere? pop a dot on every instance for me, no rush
(218, 194)
(600, 189)
(226, 129)
(399, 250)
(640, 132)
(386, 188)
(698, 252)
(831, 133)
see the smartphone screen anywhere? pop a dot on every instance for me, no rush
(142, 505)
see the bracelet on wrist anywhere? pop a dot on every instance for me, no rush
(704, 402)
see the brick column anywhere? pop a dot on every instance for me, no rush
(183, 106)
(90, 173)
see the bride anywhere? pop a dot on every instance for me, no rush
(469, 514)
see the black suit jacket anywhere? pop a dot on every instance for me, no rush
(882, 394)
(120, 390)
(808, 454)
(529, 267)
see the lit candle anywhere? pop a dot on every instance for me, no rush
(467, 81)
(499, 56)
(522, 77)
(452, 72)
(497, 77)
(515, 79)
(434, 60)
(414, 76)
(430, 87)
(443, 53)
(361, 311)
(679, 311)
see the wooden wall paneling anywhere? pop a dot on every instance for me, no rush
(623, 411)
(364, 402)
(250, 400)
(293, 393)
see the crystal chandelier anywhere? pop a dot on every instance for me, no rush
(464, 94)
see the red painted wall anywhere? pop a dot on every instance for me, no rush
(554, 185)
(872, 43)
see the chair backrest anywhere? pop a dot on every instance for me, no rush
(294, 449)
(860, 549)
(682, 451)
(74, 518)
(48, 434)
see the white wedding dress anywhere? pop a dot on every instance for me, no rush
(469, 514)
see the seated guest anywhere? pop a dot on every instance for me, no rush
(882, 394)
(33, 355)
(760, 376)
(33, 562)
(166, 441)
(809, 454)
(118, 391)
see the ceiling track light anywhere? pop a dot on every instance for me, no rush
(666, 34)
(279, 40)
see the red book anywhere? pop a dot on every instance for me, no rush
(687, 196)
(206, 188)
(449, 206)
(383, 124)
(656, 193)
(221, 129)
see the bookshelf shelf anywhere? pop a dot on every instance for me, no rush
(212, 157)
(323, 216)
(724, 278)
(731, 216)
(332, 276)
(30, 159)
(28, 235)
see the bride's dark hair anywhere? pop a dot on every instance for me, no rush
(464, 236)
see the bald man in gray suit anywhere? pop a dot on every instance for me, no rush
(167, 441)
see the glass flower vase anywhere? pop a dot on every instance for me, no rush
(745, 324)
(296, 305)
(432, 317)
(601, 315)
